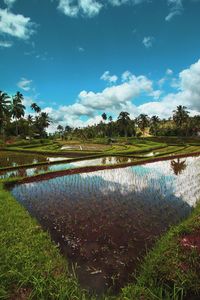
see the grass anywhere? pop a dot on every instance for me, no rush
(32, 268)
(170, 271)
(30, 264)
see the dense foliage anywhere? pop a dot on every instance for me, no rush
(14, 122)
(180, 124)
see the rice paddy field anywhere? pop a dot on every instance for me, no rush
(40, 169)
(104, 221)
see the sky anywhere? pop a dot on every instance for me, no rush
(79, 58)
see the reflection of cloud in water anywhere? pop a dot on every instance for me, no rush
(52, 159)
(158, 176)
(112, 214)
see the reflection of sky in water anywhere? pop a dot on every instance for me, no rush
(64, 166)
(158, 176)
(155, 179)
(108, 209)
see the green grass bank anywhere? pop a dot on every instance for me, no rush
(31, 266)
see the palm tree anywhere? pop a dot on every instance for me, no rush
(4, 109)
(180, 116)
(68, 129)
(154, 123)
(42, 122)
(142, 122)
(104, 116)
(124, 121)
(30, 119)
(60, 128)
(110, 119)
(30, 124)
(35, 107)
(18, 109)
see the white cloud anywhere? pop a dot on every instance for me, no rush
(90, 8)
(176, 8)
(112, 99)
(169, 72)
(72, 8)
(188, 94)
(117, 98)
(9, 3)
(161, 81)
(148, 41)
(107, 77)
(81, 49)
(24, 84)
(6, 44)
(155, 94)
(15, 25)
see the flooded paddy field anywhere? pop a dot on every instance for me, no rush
(14, 159)
(30, 171)
(105, 221)
(85, 147)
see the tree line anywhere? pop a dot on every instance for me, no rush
(13, 121)
(179, 124)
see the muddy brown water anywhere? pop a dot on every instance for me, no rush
(105, 221)
(12, 159)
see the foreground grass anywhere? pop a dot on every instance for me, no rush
(30, 265)
(171, 271)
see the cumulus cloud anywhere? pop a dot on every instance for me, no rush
(113, 99)
(176, 8)
(117, 98)
(6, 44)
(15, 25)
(90, 8)
(188, 94)
(72, 8)
(169, 72)
(163, 80)
(107, 77)
(9, 3)
(24, 84)
(148, 41)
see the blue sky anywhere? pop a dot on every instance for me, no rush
(77, 59)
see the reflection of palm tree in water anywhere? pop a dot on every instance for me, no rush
(22, 172)
(178, 166)
(41, 169)
(103, 161)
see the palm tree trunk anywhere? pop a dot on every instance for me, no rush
(16, 127)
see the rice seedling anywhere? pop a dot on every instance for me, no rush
(105, 221)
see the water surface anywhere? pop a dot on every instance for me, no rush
(106, 220)
(13, 159)
(30, 171)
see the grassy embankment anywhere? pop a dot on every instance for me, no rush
(171, 270)
(30, 264)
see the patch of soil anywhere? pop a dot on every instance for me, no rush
(21, 294)
(191, 241)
